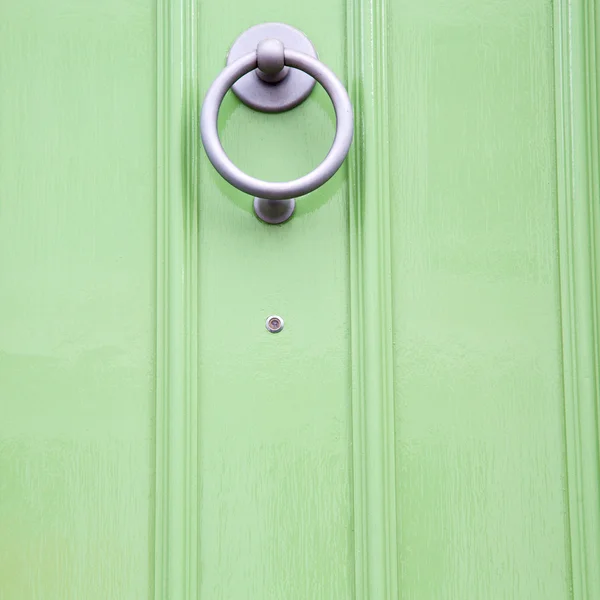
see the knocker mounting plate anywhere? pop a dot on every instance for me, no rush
(290, 90)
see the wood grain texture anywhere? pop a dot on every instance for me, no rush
(426, 424)
(77, 299)
(577, 26)
(275, 502)
(374, 488)
(176, 516)
(481, 466)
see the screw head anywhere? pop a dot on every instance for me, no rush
(274, 324)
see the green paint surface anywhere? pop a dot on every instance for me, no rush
(274, 414)
(77, 289)
(404, 436)
(481, 473)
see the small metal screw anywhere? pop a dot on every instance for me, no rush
(274, 324)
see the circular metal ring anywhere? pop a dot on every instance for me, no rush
(272, 190)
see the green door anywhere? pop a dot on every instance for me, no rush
(424, 427)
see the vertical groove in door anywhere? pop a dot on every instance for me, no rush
(376, 561)
(576, 51)
(176, 518)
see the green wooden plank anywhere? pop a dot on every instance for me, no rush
(77, 288)
(274, 413)
(481, 473)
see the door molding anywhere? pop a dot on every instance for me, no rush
(178, 146)
(373, 423)
(576, 27)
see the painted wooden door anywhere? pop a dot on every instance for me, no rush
(426, 425)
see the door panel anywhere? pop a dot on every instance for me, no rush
(481, 471)
(274, 419)
(77, 298)
(425, 426)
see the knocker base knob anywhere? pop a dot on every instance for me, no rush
(274, 212)
(270, 60)
(271, 88)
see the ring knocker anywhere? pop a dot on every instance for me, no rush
(284, 69)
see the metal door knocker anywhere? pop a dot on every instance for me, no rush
(273, 67)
